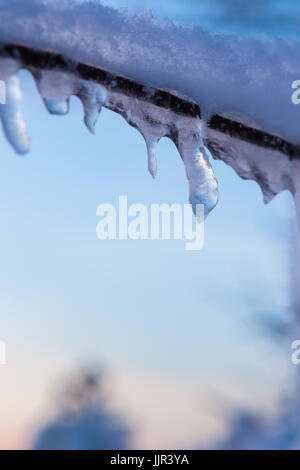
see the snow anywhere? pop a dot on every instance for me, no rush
(222, 73)
(227, 74)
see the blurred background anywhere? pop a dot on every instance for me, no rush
(141, 344)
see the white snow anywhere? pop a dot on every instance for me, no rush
(252, 76)
(226, 74)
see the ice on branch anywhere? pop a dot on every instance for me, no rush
(11, 112)
(236, 81)
(152, 121)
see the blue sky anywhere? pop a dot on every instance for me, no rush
(147, 309)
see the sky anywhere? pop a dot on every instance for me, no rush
(179, 332)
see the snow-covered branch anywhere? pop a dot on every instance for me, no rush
(158, 76)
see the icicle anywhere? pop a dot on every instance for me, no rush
(152, 163)
(92, 96)
(56, 89)
(11, 112)
(57, 107)
(203, 186)
(151, 120)
(153, 123)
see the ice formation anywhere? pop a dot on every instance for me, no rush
(153, 122)
(83, 420)
(252, 76)
(228, 75)
(11, 111)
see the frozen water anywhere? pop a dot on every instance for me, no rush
(252, 76)
(225, 74)
(92, 96)
(152, 163)
(11, 112)
(56, 89)
(153, 122)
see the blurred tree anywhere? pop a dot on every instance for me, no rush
(83, 421)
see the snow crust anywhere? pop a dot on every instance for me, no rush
(252, 76)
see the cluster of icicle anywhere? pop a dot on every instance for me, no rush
(153, 122)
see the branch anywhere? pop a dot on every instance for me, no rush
(45, 60)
